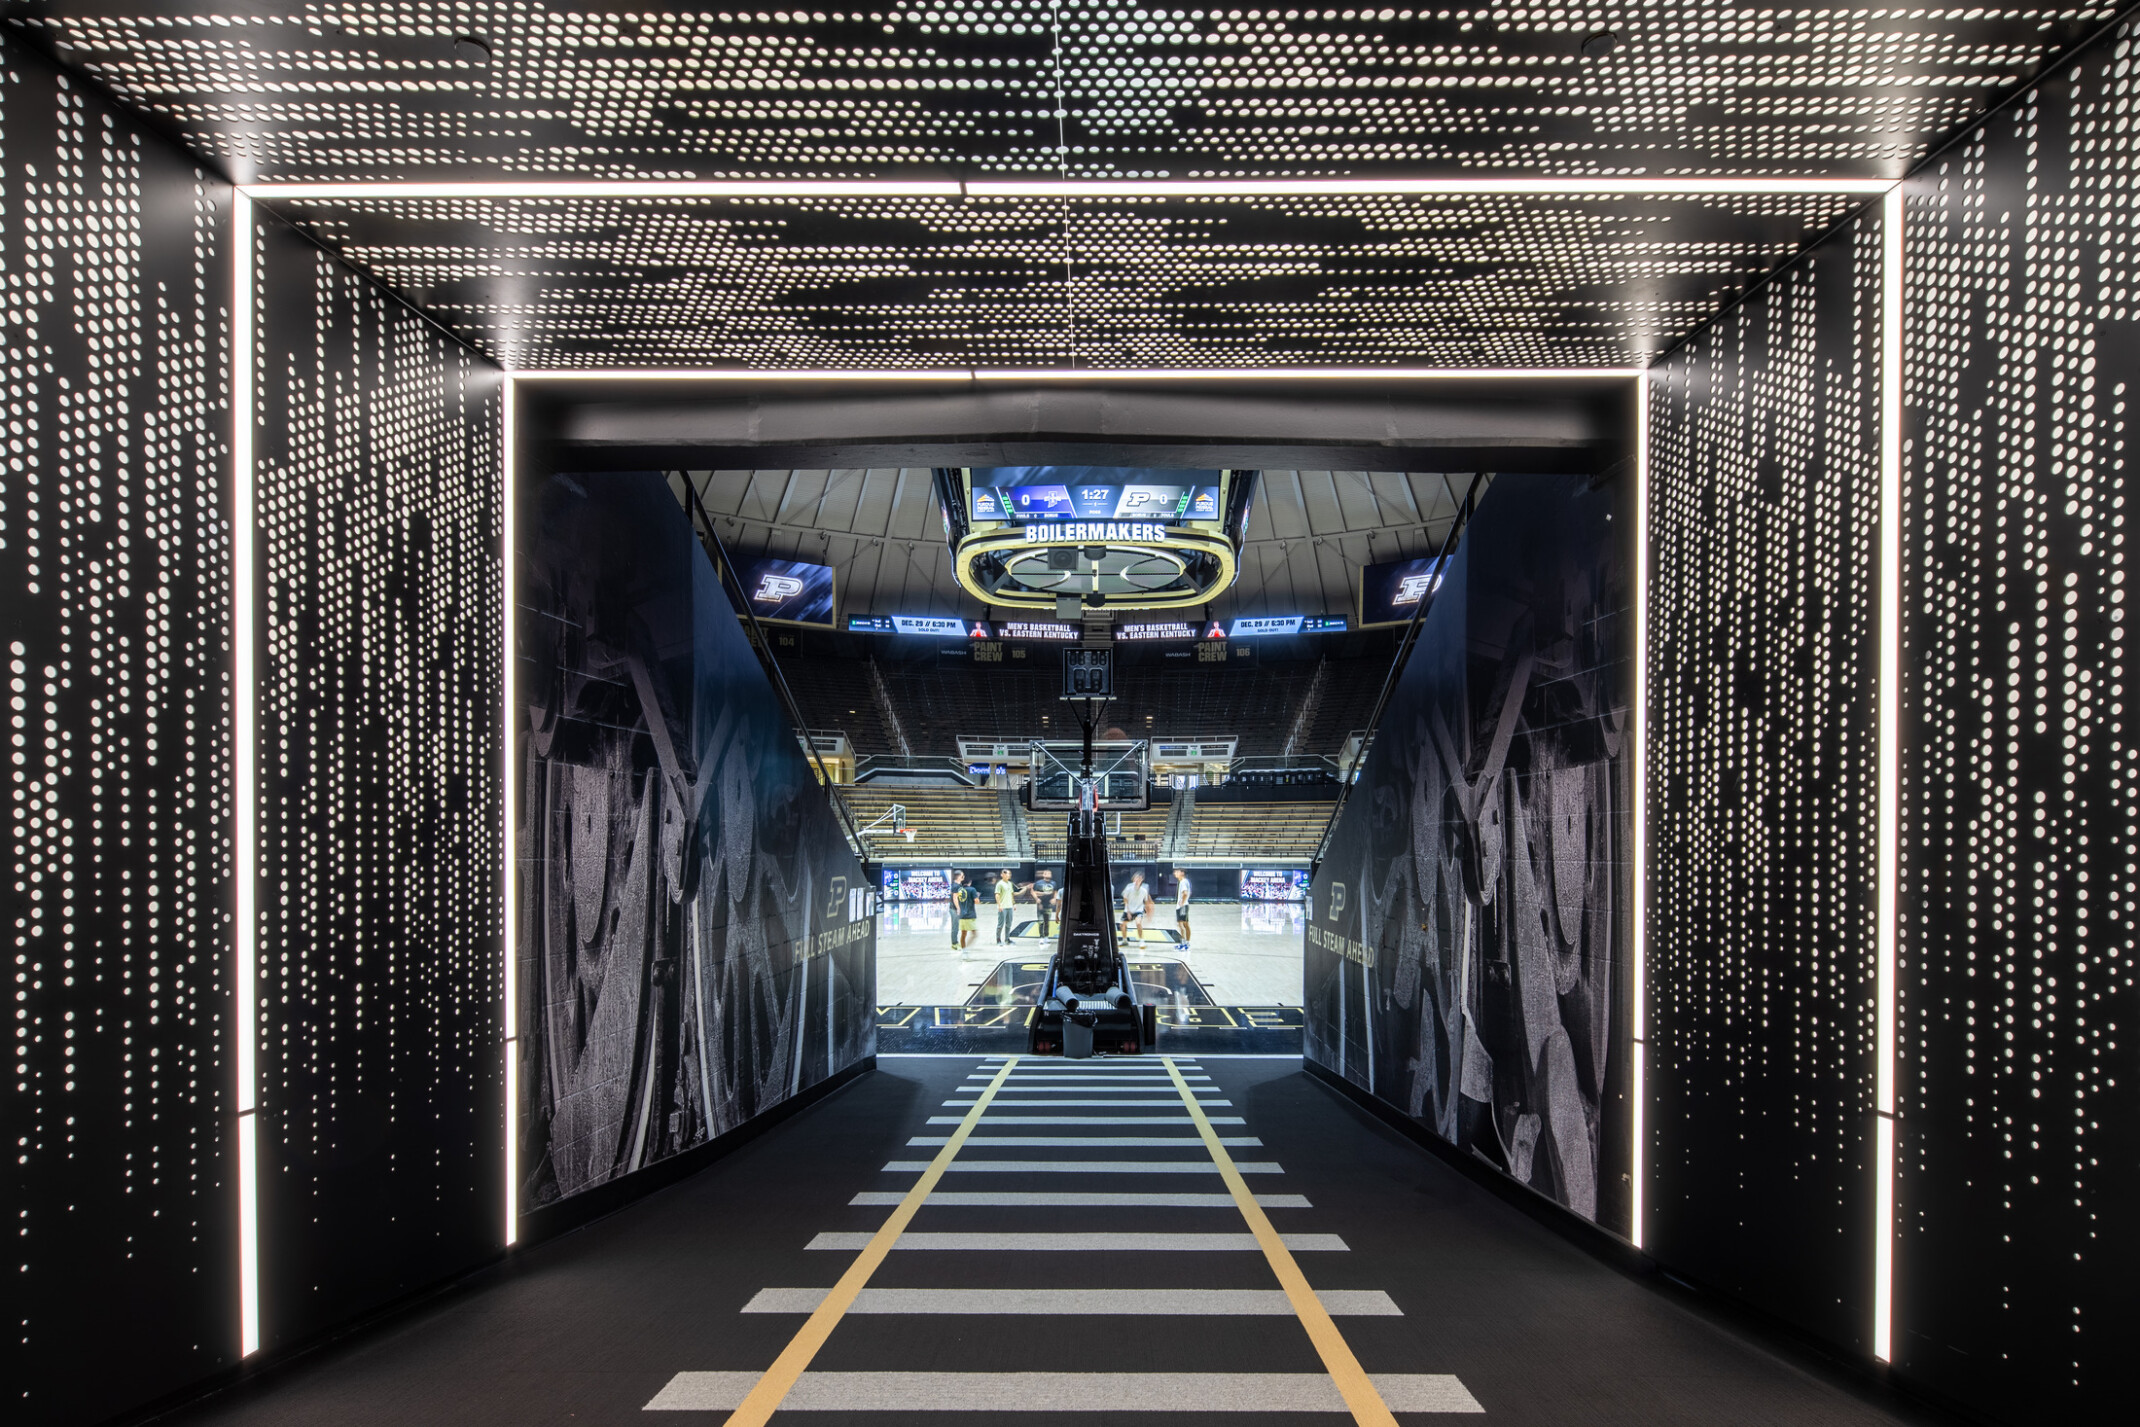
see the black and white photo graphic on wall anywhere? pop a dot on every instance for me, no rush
(1468, 950)
(695, 934)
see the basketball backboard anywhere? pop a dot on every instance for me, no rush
(1123, 769)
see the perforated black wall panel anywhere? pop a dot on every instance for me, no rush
(2020, 1132)
(352, 88)
(381, 616)
(1376, 280)
(114, 609)
(1763, 654)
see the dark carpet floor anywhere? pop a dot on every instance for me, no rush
(590, 1327)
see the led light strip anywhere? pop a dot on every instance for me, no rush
(1639, 830)
(508, 786)
(1887, 816)
(608, 188)
(245, 714)
(1570, 186)
(1576, 186)
(244, 718)
(944, 375)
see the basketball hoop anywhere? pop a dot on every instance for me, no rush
(909, 833)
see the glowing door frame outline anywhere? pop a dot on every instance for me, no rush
(244, 778)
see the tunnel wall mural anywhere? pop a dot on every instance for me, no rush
(1468, 952)
(696, 940)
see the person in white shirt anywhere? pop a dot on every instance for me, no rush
(1181, 905)
(1136, 901)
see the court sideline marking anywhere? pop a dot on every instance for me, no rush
(764, 1400)
(1353, 1384)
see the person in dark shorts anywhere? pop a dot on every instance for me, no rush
(969, 914)
(958, 880)
(1136, 904)
(1181, 905)
(1046, 895)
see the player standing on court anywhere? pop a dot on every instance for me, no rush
(1045, 895)
(1181, 905)
(969, 914)
(1006, 893)
(958, 880)
(1136, 901)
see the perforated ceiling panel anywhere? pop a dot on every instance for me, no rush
(1764, 510)
(380, 623)
(950, 282)
(350, 89)
(453, 88)
(2018, 1158)
(114, 580)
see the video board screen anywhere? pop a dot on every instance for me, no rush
(916, 884)
(793, 591)
(1040, 493)
(1271, 885)
(1158, 629)
(1251, 626)
(1037, 629)
(1390, 593)
(942, 626)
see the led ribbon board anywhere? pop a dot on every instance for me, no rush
(1125, 539)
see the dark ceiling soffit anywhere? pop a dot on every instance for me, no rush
(1559, 425)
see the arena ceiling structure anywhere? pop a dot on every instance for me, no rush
(1309, 532)
(1067, 186)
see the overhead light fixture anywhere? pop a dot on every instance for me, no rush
(1599, 45)
(469, 49)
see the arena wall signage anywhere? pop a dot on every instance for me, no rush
(1390, 592)
(789, 591)
(943, 626)
(1156, 629)
(1036, 629)
(1252, 627)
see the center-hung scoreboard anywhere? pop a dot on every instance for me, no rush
(1071, 539)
